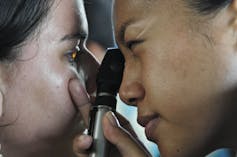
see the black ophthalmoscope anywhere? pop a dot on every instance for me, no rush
(108, 82)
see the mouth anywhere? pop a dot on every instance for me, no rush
(150, 129)
(150, 124)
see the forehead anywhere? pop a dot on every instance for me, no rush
(123, 6)
(143, 7)
(126, 11)
(134, 10)
(67, 14)
(80, 12)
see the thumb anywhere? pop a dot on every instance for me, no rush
(127, 145)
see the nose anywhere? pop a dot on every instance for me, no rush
(131, 90)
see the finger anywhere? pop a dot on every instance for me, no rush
(128, 127)
(81, 144)
(125, 124)
(80, 98)
(125, 143)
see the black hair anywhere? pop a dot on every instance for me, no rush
(208, 6)
(18, 20)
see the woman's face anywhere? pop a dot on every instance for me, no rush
(180, 67)
(37, 103)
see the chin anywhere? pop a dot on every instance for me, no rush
(172, 150)
(180, 153)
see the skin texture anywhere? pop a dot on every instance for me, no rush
(42, 90)
(180, 72)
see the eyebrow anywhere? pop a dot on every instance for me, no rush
(74, 36)
(122, 30)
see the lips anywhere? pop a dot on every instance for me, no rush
(150, 123)
(150, 129)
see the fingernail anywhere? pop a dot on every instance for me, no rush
(112, 118)
(84, 141)
(85, 132)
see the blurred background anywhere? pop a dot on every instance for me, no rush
(100, 38)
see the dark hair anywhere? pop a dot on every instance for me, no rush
(208, 6)
(18, 20)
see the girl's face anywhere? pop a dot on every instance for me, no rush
(181, 73)
(37, 103)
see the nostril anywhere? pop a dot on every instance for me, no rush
(131, 92)
(132, 100)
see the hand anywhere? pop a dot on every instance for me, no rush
(121, 136)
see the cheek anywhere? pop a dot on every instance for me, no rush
(53, 89)
(184, 85)
(41, 100)
(181, 79)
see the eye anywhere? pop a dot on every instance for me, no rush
(72, 55)
(132, 43)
